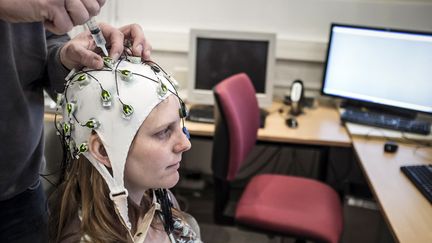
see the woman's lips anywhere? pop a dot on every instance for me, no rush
(174, 166)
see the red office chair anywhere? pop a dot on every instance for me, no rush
(276, 204)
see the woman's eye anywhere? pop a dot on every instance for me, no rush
(164, 133)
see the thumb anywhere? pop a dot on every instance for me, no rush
(90, 59)
(79, 52)
(76, 56)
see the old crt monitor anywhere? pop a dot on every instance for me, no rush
(379, 66)
(215, 55)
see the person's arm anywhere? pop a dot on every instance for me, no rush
(65, 54)
(58, 16)
(56, 71)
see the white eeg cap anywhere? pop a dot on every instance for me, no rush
(113, 103)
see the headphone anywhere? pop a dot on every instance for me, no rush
(297, 92)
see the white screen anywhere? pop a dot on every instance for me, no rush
(380, 66)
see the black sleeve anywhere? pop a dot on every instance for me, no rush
(55, 71)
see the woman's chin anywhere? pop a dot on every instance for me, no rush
(171, 181)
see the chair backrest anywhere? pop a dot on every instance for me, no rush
(237, 122)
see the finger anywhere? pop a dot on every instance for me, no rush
(115, 37)
(140, 46)
(147, 51)
(79, 52)
(101, 2)
(88, 58)
(77, 11)
(93, 7)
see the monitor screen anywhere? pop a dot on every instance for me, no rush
(381, 66)
(216, 55)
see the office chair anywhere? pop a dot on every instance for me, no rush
(278, 205)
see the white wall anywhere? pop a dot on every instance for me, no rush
(301, 25)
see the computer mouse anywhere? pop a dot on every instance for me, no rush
(291, 122)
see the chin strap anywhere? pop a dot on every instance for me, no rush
(121, 207)
(142, 229)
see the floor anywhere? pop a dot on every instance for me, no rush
(362, 220)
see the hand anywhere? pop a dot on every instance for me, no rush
(140, 46)
(80, 51)
(58, 16)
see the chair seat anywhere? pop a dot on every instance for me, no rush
(292, 206)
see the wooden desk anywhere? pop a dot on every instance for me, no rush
(319, 126)
(406, 210)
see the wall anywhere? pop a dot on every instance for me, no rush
(301, 25)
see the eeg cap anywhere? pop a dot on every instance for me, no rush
(113, 102)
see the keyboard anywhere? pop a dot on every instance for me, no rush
(201, 113)
(386, 121)
(421, 177)
(205, 114)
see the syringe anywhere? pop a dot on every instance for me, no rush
(97, 35)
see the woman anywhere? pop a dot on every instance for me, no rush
(122, 129)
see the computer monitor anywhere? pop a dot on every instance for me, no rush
(215, 55)
(380, 66)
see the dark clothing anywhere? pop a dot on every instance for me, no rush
(29, 63)
(23, 218)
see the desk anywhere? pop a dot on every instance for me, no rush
(318, 126)
(406, 210)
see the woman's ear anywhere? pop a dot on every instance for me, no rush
(97, 150)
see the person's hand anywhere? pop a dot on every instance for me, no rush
(81, 50)
(140, 46)
(58, 16)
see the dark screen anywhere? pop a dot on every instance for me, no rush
(218, 59)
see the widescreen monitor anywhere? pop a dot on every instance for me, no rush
(215, 55)
(386, 67)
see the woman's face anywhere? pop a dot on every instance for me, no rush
(155, 154)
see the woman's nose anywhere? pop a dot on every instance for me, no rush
(184, 144)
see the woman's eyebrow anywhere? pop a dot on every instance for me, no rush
(167, 124)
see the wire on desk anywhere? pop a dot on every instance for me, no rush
(417, 148)
(372, 129)
(417, 142)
